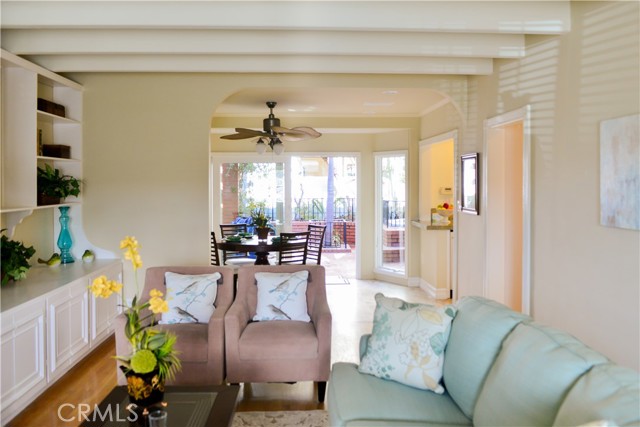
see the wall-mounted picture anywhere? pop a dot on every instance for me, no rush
(620, 172)
(469, 182)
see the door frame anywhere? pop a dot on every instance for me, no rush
(523, 115)
(453, 134)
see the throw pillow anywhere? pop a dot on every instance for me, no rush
(407, 343)
(190, 297)
(282, 296)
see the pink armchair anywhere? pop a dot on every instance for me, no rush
(279, 350)
(201, 346)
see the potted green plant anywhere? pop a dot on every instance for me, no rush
(260, 221)
(15, 259)
(54, 186)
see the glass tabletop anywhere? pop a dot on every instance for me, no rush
(183, 409)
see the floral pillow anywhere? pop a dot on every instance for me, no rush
(407, 343)
(282, 296)
(190, 297)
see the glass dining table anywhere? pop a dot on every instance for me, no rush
(261, 247)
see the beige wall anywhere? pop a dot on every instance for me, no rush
(585, 277)
(147, 144)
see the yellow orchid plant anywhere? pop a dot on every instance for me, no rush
(151, 349)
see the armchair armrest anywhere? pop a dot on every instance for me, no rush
(235, 320)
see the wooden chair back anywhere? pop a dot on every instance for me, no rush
(215, 255)
(316, 237)
(293, 248)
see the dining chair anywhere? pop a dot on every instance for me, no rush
(234, 258)
(293, 248)
(316, 237)
(215, 255)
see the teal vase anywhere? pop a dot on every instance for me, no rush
(64, 239)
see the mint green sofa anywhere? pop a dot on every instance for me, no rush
(500, 369)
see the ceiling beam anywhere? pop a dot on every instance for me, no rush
(262, 42)
(264, 64)
(533, 17)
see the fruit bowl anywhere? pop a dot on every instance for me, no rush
(444, 212)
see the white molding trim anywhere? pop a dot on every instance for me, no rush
(414, 282)
(521, 114)
(432, 291)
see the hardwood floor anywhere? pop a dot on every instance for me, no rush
(352, 307)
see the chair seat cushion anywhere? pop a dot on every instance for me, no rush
(278, 339)
(192, 342)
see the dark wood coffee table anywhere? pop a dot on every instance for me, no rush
(194, 406)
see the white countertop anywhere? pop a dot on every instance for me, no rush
(42, 279)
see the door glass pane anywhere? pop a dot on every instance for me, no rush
(244, 186)
(392, 213)
(323, 192)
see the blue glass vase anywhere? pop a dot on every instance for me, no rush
(64, 239)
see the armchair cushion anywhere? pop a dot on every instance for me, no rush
(190, 297)
(282, 296)
(192, 342)
(278, 340)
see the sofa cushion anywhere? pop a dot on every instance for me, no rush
(532, 374)
(282, 296)
(277, 340)
(476, 336)
(407, 342)
(365, 400)
(606, 392)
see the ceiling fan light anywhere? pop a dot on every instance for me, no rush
(261, 147)
(278, 147)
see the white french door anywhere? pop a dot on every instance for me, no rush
(391, 212)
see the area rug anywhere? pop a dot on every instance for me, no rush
(316, 418)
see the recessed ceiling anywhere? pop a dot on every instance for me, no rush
(331, 102)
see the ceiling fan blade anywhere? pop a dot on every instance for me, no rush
(309, 131)
(286, 131)
(243, 133)
(296, 134)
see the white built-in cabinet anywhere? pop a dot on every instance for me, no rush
(48, 321)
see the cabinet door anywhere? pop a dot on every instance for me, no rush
(22, 356)
(104, 311)
(68, 320)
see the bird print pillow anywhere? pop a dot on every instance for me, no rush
(282, 296)
(190, 297)
(407, 342)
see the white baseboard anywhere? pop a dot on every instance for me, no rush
(413, 282)
(432, 291)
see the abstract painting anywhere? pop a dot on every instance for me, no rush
(620, 172)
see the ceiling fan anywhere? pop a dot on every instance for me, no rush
(273, 134)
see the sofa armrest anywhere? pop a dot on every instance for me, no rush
(364, 342)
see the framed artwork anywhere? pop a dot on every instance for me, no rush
(620, 172)
(470, 175)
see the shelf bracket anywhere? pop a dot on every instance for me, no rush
(13, 219)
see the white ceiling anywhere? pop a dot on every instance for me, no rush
(373, 37)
